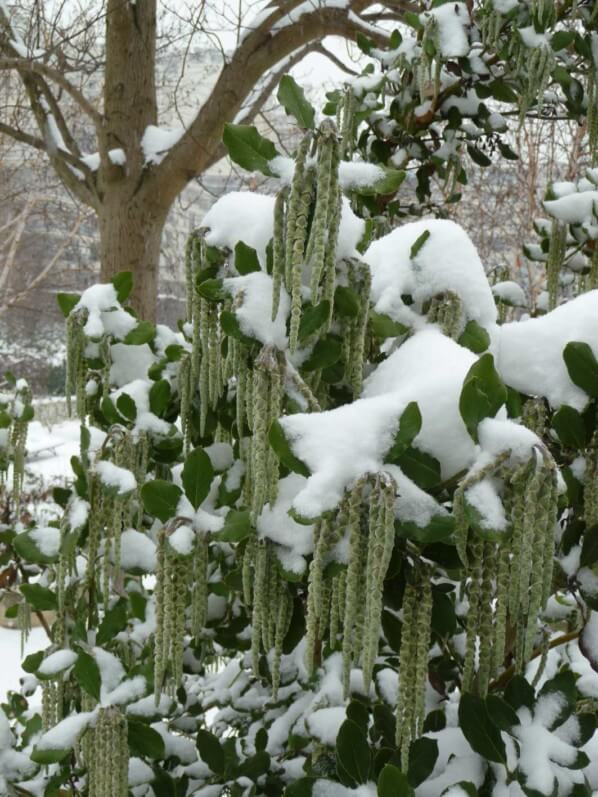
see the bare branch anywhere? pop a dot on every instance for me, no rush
(319, 48)
(23, 64)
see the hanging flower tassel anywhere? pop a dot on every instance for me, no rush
(108, 753)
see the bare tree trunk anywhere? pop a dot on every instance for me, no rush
(131, 220)
(130, 234)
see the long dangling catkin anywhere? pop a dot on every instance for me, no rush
(259, 603)
(294, 203)
(556, 255)
(199, 595)
(476, 552)
(326, 535)
(108, 755)
(502, 599)
(297, 244)
(486, 629)
(75, 361)
(278, 252)
(381, 534)
(316, 245)
(284, 612)
(413, 661)
(354, 573)
(170, 595)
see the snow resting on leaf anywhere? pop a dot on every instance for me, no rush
(105, 315)
(529, 354)
(254, 313)
(446, 261)
(341, 444)
(452, 20)
(249, 217)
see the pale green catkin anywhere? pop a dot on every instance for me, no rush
(549, 536)
(406, 698)
(354, 573)
(294, 203)
(502, 593)
(284, 612)
(534, 416)
(556, 256)
(259, 603)
(334, 216)
(170, 594)
(275, 399)
(316, 245)
(346, 130)
(75, 361)
(518, 486)
(358, 327)
(424, 621)
(199, 595)
(538, 68)
(278, 252)
(326, 535)
(297, 244)
(108, 755)
(486, 629)
(247, 570)
(476, 552)
(591, 482)
(259, 440)
(381, 535)
(542, 526)
(184, 388)
(204, 364)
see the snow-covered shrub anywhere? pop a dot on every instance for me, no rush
(337, 534)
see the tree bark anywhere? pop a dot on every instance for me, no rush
(130, 234)
(130, 220)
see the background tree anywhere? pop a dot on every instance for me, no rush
(130, 191)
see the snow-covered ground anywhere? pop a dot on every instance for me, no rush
(10, 656)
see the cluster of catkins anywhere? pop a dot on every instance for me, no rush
(266, 592)
(181, 578)
(106, 753)
(336, 599)
(508, 580)
(15, 415)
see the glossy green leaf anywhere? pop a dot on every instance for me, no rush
(292, 98)
(247, 148)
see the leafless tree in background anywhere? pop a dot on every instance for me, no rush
(89, 72)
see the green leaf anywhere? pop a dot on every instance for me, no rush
(144, 741)
(501, 713)
(569, 426)
(346, 302)
(352, 752)
(283, 451)
(197, 477)
(482, 395)
(212, 290)
(418, 243)
(589, 548)
(237, 526)
(422, 760)
(563, 684)
(246, 259)
(439, 529)
(519, 693)
(507, 152)
(49, 756)
(247, 148)
(478, 156)
(231, 327)
(109, 411)
(562, 39)
(300, 788)
(312, 318)
(482, 735)
(28, 549)
(123, 283)
(159, 396)
(582, 366)
(87, 674)
(32, 661)
(325, 353)
(388, 184)
(383, 326)
(126, 406)
(144, 332)
(160, 499)
(410, 424)
(420, 467)
(41, 599)
(292, 98)
(67, 302)
(211, 751)
(474, 337)
(502, 92)
(113, 622)
(393, 783)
